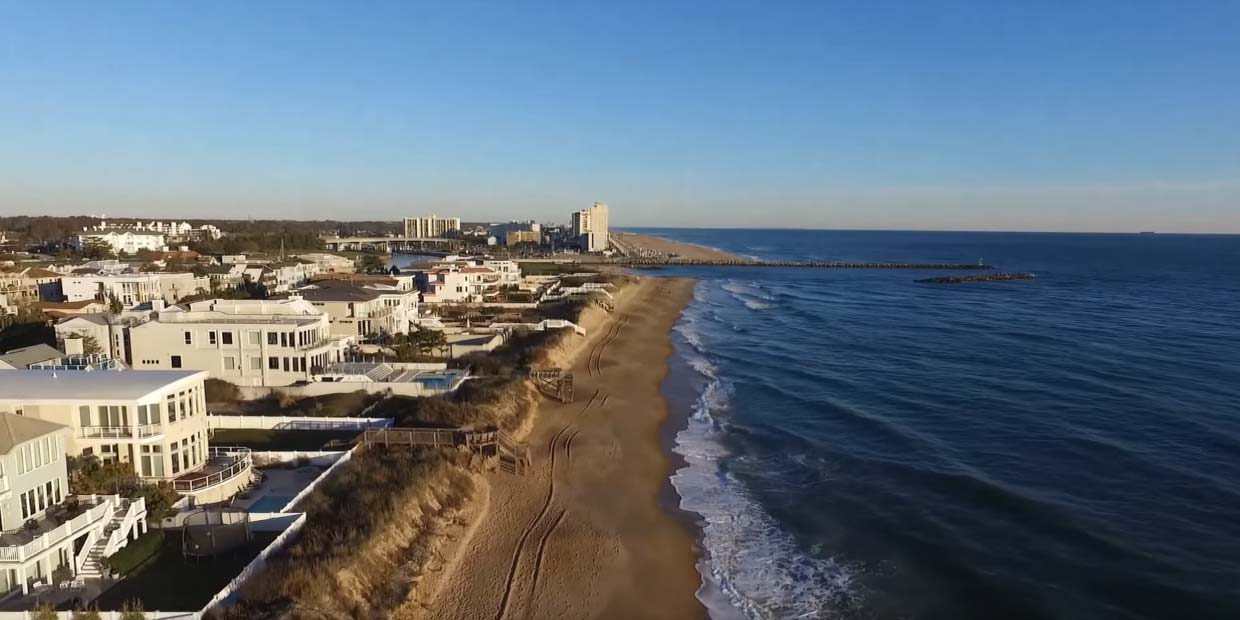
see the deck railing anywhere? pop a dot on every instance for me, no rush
(101, 508)
(240, 463)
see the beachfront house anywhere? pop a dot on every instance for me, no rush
(45, 533)
(253, 342)
(155, 420)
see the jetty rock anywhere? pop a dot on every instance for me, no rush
(986, 277)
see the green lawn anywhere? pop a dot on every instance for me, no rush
(170, 582)
(135, 553)
(262, 440)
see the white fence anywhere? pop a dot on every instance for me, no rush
(299, 423)
(230, 591)
(313, 485)
(108, 615)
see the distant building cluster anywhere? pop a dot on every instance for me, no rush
(138, 237)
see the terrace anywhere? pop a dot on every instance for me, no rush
(223, 465)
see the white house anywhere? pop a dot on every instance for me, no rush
(363, 311)
(133, 288)
(120, 241)
(43, 529)
(270, 342)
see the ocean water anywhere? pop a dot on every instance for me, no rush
(862, 446)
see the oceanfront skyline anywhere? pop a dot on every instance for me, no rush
(1097, 117)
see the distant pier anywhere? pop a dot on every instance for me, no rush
(673, 262)
(989, 277)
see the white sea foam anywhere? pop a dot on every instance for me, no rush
(750, 563)
(748, 293)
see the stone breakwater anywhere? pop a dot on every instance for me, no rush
(988, 277)
(648, 262)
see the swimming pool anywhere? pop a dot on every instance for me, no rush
(269, 503)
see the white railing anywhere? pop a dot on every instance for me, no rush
(241, 463)
(106, 432)
(91, 539)
(103, 508)
(295, 422)
(120, 432)
(134, 510)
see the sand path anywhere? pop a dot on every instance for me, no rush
(584, 535)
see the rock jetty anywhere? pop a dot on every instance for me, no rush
(986, 277)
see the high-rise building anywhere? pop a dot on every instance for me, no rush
(433, 226)
(590, 228)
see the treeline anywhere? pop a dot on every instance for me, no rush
(44, 230)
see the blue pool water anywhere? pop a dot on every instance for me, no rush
(270, 503)
(863, 446)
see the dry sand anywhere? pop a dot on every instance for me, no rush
(584, 535)
(667, 247)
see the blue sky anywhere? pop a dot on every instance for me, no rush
(929, 115)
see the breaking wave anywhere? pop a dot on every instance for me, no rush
(751, 568)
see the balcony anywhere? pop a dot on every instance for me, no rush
(141, 431)
(223, 465)
(63, 521)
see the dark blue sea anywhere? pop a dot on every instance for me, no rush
(859, 445)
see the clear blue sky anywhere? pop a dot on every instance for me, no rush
(983, 115)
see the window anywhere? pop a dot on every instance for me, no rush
(84, 414)
(254, 338)
(286, 364)
(142, 416)
(176, 361)
(283, 339)
(172, 408)
(256, 363)
(230, 363)
(226, 337)
(211, 338)
(189, 337)
(154, 410)
(273, 338)
(273, 363)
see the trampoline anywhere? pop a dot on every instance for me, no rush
(208, 533)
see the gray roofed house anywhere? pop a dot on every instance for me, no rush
(18, 429)
(21, 359)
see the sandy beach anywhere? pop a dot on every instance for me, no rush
(646, 245)
(584, 535)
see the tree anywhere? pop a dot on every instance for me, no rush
(95, 249)
(90, 345)
(371, 263)
(114, 304)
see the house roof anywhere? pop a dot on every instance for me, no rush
(18, 429)
(68, 305)
(334, 293)
(97, 319)
(25, 356)
(46, 385)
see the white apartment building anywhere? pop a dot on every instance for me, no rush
(433, 226)
(590, 227)
(43, 528)
(363, 311)
(269, 342)
(120, 241)
(451, 283)
(132, 288)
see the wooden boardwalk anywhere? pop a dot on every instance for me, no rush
(514, 456)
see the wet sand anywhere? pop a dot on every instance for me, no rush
(588, 533)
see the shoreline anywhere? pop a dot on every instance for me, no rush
(595, 530)
(659, 247)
